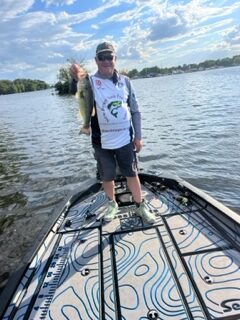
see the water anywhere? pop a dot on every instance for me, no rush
(191, 129)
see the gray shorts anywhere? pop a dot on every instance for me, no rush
(107, 161)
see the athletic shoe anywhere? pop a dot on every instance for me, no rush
(111, 211)
(145, 214)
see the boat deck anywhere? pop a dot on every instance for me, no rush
(185, 266)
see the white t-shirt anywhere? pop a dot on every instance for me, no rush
(113, 114)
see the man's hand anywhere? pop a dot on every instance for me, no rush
(138, 145)
(77, 72)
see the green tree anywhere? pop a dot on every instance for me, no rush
(133, 73)
(63, 85)
(236, 60)
(6, 87)
(64, 77)
(226, 62)
(21, 85)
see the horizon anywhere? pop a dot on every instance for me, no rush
(45, 33)
(150, 67)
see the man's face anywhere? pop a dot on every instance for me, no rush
(106, 63)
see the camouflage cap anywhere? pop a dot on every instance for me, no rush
(105, 46)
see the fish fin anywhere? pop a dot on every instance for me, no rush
(79, 114)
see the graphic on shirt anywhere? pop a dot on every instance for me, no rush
(98, 83)
(113, 107)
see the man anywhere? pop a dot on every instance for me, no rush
(115, 128)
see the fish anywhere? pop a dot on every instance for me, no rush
(86, 103)
(113, 107)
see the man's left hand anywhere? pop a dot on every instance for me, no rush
(138, 145)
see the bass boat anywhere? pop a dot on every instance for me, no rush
(184, 266)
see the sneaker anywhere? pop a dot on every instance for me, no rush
(111, 211)
(145, 214)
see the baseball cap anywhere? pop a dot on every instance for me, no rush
(104, 47)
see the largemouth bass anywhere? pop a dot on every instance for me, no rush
(86, 102)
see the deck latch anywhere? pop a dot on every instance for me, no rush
(208, 280)
(85, 272)
(182, 232)
(153, 315)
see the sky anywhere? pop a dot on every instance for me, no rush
(37, 37)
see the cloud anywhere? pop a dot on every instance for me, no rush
(11, 8)
(233, 37)
(168, 27)
(94, 26)
(143, 32)
(176, 20)
(132, 53)
(37, 40)
(59, 3)
(120, 17)
(34, 41)
(159, 31)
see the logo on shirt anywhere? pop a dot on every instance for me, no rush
(98, 83)
(113, 107)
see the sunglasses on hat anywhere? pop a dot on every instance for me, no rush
(103, 57)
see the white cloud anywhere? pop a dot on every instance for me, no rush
(12, 68)
(168, 27)
(11, 8)
(35, 40)
(94, 26)
(120, 17)
(55, 55)
(233, 37)
(59, 3)
(152, 31)
(157, 25)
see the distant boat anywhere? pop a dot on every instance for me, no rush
(185, 266)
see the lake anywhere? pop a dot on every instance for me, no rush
(191, 129)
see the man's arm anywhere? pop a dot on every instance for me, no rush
(136, 116)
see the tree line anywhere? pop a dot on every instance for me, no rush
(64, 78)
(21, 85)
(208, 64)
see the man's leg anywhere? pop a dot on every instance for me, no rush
(107, 169)
(108, 187)
(135, 188)
(112, 209)
(142, 211)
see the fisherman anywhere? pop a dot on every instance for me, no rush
(115, 128)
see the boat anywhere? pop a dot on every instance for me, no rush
(184, 266)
